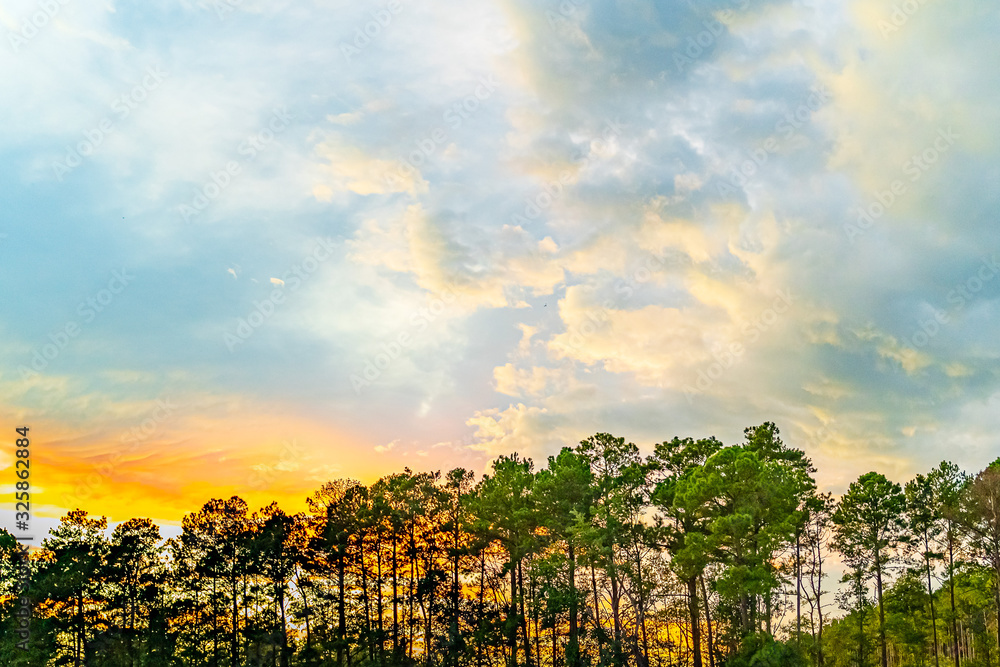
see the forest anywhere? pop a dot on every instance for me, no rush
(699, 554)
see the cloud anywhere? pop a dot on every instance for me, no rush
(525, 430)
(351, 169)
(536, 381)
(495, 270)
(382, 449)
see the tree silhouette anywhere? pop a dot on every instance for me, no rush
(695, 554)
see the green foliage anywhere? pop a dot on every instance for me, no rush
(750, 498)
(762, 650)
(870, 525)
(698, 554)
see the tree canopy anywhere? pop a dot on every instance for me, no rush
(693, 554)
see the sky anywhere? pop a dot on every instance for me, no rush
(247, 247)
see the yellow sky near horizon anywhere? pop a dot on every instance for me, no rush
(186, 461)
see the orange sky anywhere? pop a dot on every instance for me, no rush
(184, 463)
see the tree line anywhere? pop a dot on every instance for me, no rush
(698, 554)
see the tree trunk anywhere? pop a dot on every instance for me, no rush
(695, 620)
(798, 588)
(534, 618)
(380, 608)
(687, 639)
(573, 647)
(881, 611)
(81, 652)
(454, 628)
(861, 623)
(305, 606)
(133, 594)
(482, 605)
(708, 623)
(767, 612)
(512, 615)
(996, 590)
(413, 578)
(425, 612)
(341, 611)
(618, 657)
(951, 587)
(273, 634)
(395, 601)
(428, 612)
(367, 601)
(246, 611)
(523, 618)
(555, 645)
(234, 641)
(641, 609)
(284, 625)
(597, 614)
(215, 627)
(197, 608)
(930, 595)
(819, 604)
